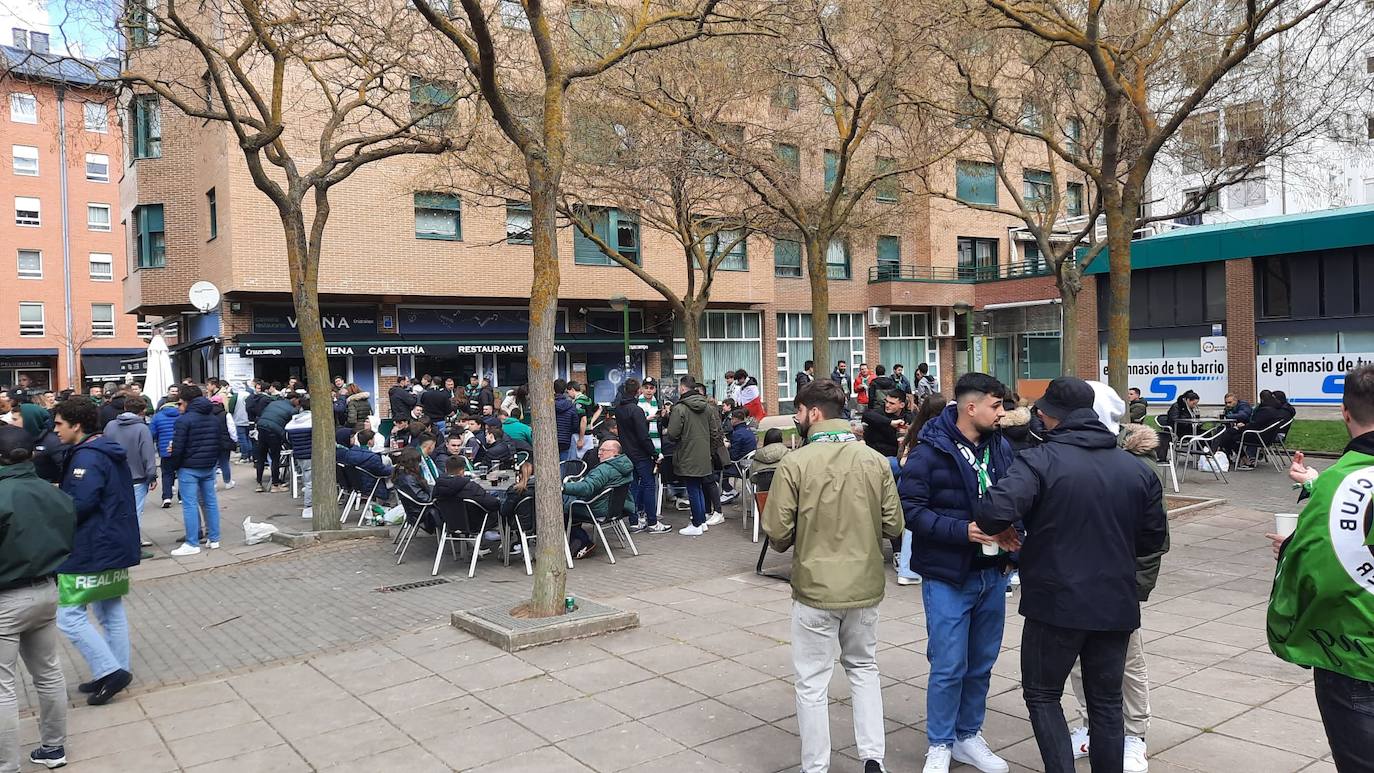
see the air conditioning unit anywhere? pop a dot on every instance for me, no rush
(943, 323)
(879, 316)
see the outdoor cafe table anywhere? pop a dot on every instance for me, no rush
(498, 489)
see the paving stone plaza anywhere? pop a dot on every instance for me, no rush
(264, 659)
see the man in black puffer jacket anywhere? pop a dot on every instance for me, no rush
(197, 441)
(632, 428)
(402, 398)
(1089, 510)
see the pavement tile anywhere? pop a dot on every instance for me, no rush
(347, 663)
(602, 675)
(776, 661)
(1265, 665)
(701, 722)
(570, 719)
(528, 695)
(1166, 734)
(455, 656)
(440, 718)
(624, 643)
(84, 719)
(375, 676)
(762, 748)
(562, 656)
(734, 643)
(770, 701)
(1213, 752)
(1242, 688)
(187, 698)
(1202, 653)
(347, 744)
(904, 702)
(126, 736)
(501, 670)
(548, 759)
(650, 697)
(1225, 633)
(411, 759)
(1300, 735)
(673, 657)
(1190, 708)
(194, 721)
(422, 692)
(1299, 701)
(429, 639)
(685, 760)
(1321, 766)
(322, 717)
(154, 758)
(685, 627)
(274, 759)
(223, 742)
(474, 746)
(719, 677)
(619, 747)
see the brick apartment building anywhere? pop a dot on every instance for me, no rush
(63, 324)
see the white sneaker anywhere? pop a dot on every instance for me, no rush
(186, 549)
(716, 519)
(937, 759)
(691, 531)
(309, 512)
(728, 497)
(909, 580)
(1135, 761)
(1079, 738)
(214, 546)
(1015, 580)
(974, 751)
(229, 485)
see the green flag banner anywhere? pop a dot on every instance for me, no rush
(75, 589)
(1321, 608)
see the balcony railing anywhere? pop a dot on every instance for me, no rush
(958, 275)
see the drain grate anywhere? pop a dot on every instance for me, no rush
(412, 585)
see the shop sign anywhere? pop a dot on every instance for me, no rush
(1163, 379)
(7, 362)
(1308, 379)
(478, 322)
(335, 321)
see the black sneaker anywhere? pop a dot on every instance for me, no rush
(109, 686)
(638, 528)
(49, 756)
(659, 528)
(88, 687)
(873, 766)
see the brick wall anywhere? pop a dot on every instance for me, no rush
(1241, 343)
(1085, 342)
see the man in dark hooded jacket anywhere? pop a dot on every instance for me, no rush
(198, 439)
(1089, 510)
(632, 427)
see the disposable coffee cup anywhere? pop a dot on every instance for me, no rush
(1285, 524)
(991, 550)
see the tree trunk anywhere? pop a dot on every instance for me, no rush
(1119, 228)
(1068, 341)
(691, 334)
(550, 570)
(304, 260)
(817, 273)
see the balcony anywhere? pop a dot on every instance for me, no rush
(959, 275)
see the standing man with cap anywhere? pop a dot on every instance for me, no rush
(36, 526)
(1089, 510)
(833, 501)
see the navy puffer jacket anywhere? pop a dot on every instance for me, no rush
(96, 476)
(198, 437)
(566, 418)
(161, 428)
(298, 432)
(939, 491)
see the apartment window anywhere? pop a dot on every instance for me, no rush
(519, 223)
(837, 259)
(151, 240)
(617, 228)
(787, 258)
(97, 118)
(975, 182)
(832, 169)
(23, 108)
(98, 217)
(1248, 193)
(1073, 199)
(1369, 63)
(102, 320)
(1073, 131)
(733, 239)
(889, 256)
(438, 216)
(886, 189)
(102, 266)
(30, 264)
(1037, 188)
(142, 23)
(1193, 198)
(786, 95)
(31, 320)
(976, 253)
(431, 102)
(27, 211)
(1245, 132)
(1032, 117)
(25, 160)
(97, 167)
(1200, 137)
(829, 97)
(789, 158)
(21, 37)
(1369, 127)
(214, 212)
(147, 124)
(513, 15)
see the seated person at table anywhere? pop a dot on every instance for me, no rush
(372, 466)
(1181, 419)
(770, 456)
(516, 429)
(1264, 420)
(452, 488)
(400, 433)
(511, 499)
(495, 450)
(409, 480)
(614, 470)
(428, 468)
(742, 442)
(1237, 409)
(606, 430)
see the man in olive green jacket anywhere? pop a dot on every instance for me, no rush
(834, 501)
(689, 427)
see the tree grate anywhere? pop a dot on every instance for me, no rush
(412, 585)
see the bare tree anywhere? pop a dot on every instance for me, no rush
(312, 92)
(857, 66)
(525, 60)
(1149, 72)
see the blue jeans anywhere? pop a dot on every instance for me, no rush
(224, 468)
(105, 651)
(645, 492)
(904, 557)
(198, 486)
(140, 496)
(245, 442)
(696, 497)
(964, 624)
(571, 454)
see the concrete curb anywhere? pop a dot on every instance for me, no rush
(307, 538)
(495, 625)
(1197, 503)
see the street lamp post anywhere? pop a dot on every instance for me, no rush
(622, 304)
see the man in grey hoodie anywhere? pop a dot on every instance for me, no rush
(131, 433)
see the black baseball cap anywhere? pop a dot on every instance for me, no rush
(649, 381)
(1065, 395)
(13, 438)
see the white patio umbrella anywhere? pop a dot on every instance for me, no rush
(159, 376)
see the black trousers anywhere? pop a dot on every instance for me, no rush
(1347, 708)
(268, 453)
(1047, 656)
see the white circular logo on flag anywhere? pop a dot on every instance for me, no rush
(1350, 517)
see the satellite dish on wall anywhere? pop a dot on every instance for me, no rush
(204, 296)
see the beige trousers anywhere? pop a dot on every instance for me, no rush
(1135, 689)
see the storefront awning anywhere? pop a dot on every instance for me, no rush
(199, 343)
(251, 345)
(103, 367)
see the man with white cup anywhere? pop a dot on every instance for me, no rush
(1321, 608)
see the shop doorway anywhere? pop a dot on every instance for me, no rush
(280, 369)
